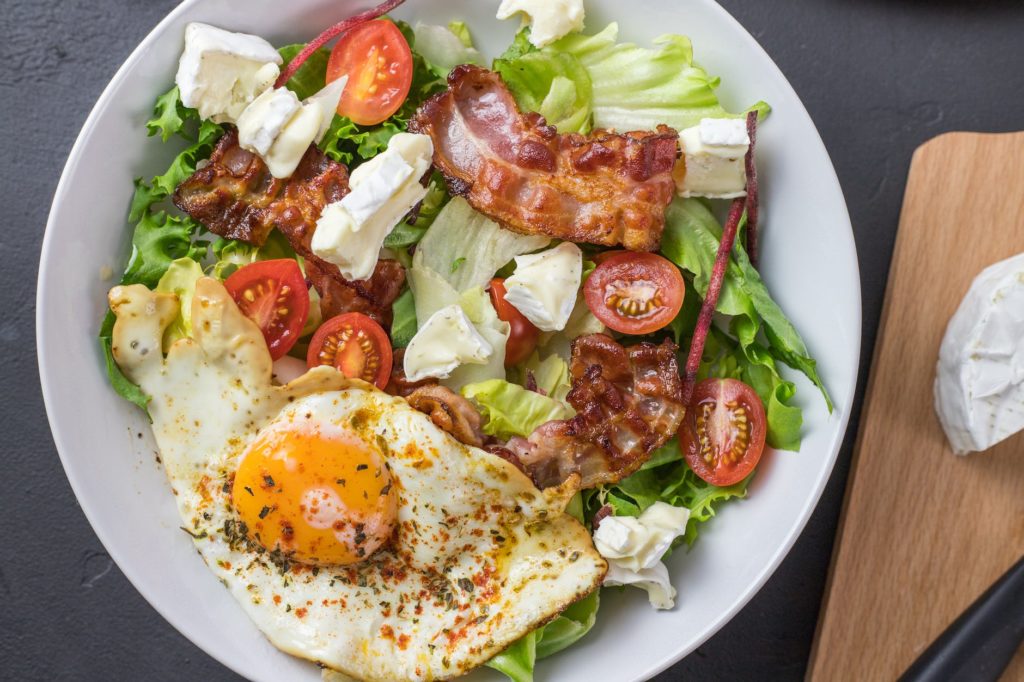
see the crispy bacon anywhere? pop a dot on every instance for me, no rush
(371, 297)
(449, 411)
(604, 188)
(235, 196)
(627, 403)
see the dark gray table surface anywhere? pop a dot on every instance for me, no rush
(879, 77)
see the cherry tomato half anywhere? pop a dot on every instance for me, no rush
(635, 293)
(524, 335)
(723, 433)
(273, 294)
(378, 62)
(355, 345)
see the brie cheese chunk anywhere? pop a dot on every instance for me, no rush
(351, 232)
(280, 128)
(221, 72)
(979, 383)
(448, 339)
(634, 548)
(544, 285)
(261, 123)
(714, 154)
(549, 20)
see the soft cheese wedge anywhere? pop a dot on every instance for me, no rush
(979, 383)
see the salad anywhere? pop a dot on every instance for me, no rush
(551, 256)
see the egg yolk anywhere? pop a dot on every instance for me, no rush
(323, 498)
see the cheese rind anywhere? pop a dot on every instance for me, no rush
(221, 72)
(351, 232)
(979, 383)
(445, 341)
(544, 285)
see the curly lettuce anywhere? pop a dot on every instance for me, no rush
(511, 410)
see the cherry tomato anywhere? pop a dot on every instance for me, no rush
(378, 62)
(524, 335)
(355, 345)
(273, 294)
(635, 293)
(723, 433)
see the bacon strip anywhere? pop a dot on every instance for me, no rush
(605, 188)
(235, 196)
(449, 411)
(628, 403)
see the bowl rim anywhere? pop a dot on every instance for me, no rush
(120, 557)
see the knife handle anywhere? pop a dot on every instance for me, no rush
(979, 644)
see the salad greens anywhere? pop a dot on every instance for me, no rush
(583, 80)
(577, 83)
(511, 410)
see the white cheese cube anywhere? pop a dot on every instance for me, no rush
(221, 72)
(261, 123)
(447, 339)
(350, 232)
(544, 285)
(714, 154)
(979, 383)
(549, 20)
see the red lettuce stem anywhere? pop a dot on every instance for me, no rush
(707, 309)
(752, 190)
(331, 33)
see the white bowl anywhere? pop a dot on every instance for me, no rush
(809, 261)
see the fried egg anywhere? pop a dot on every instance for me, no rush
(353, 531)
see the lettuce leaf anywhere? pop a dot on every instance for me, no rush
(443, 49)
(403, 326)
(759, 332)
(311, 76)
(554, 84)
(511, 410)
(518, 661)
(158, 240)
(666, 478)
(180, 279)
(459, 232)
(636, 88)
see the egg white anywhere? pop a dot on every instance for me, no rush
(479, 558)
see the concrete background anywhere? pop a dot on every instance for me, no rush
(878, 76)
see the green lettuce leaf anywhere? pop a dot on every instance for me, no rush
(403, 328)
(511, 410)
(666, 478)
(759, 332)
(158, 240)
(636, 88)
(121, 384)
(459, 232)
(519, 660)
(169, 115)
(311, 76)
(554, 84)
(443, 49)
(180, 279)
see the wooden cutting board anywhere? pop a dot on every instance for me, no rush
(924, 532)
